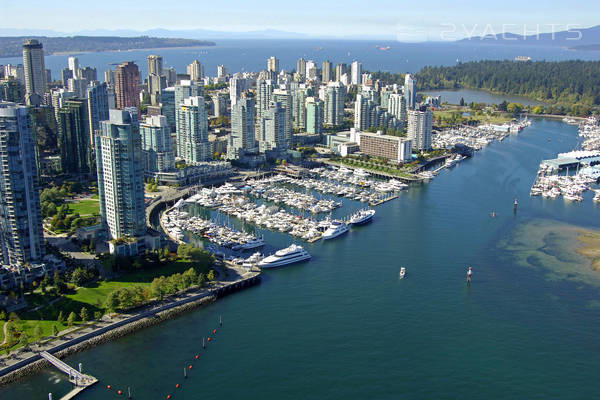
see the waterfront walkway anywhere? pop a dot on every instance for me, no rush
(233, 279)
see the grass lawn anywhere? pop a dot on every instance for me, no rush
(91, 296)
(495, 118)
(85, 207)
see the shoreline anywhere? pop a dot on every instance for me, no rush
(79, 52)
(169, 308)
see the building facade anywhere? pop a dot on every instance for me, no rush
(192, 131)
(156, 145)
(420, 124)
(127, 85)
(35, 71)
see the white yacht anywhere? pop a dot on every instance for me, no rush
(361, 172)
(345, 170)
(336, 228)
(402, 272)
(289, 255)
(361, 217)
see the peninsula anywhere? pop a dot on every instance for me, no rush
(13, 46)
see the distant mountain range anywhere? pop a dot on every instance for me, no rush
(576, 39)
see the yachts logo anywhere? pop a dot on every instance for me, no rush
(514, 32)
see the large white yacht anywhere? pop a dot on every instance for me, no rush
(361, 217)
(286, 256)
(336, 228)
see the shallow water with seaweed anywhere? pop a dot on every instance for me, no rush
(344, 325)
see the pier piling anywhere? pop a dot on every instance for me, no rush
(184, 373)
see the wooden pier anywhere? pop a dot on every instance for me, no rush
(381, 201)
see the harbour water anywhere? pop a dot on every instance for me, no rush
(344, 326)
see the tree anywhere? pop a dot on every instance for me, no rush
(55, 330)
(2, 315)
(112, 301)
(71, 319)
(37, 333)
(97, 315)
(24, 340)
(462, 102)
(78, 277)
(514, 108)
(84, 314)
(538, 110)
(211, 275)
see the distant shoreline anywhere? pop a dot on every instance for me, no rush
(73, 53)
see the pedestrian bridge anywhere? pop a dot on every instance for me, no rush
(75, 376)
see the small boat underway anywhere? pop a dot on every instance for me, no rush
(289, 255)
(402, 272)
(362, 217)
(336, 229)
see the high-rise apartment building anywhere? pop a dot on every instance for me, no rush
(243, 138)
(74, 137)
(356, 73)
(21, 237)
(127, 85)
(156, 145)
(326, 72)
(35, 71)
(335, 96)
(196, 71)
(192, 131)
(410, 91)
(420, 123)
(314, 115)
(273, 65)
(119, 163)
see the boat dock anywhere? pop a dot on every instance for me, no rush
(80, 380)
(384, 200)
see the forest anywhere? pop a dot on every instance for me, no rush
(567, 83)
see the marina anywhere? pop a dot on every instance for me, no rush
(476, 137)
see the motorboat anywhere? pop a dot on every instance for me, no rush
(402, 272)
(361, 217)
(336, 228)
(289, 255)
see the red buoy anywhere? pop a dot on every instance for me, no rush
(214, 331)
(190, 367)
(119, 392)
(208, 340)
(108, 386)
(197, 356)
(177, 386)
(168, 397)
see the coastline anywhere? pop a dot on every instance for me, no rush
(154, 314)
(70, 53)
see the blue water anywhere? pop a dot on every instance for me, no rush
(251, 55)
(343, 326)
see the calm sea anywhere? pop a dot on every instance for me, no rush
(251, 55)
(343, 326)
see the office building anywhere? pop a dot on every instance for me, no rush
(420, 123)
(127, 85)
(119, 163)
(21, 237)
(74, 137)
(35, 71)
(326, 72)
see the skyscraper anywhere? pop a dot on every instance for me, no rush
(273, 135)
(301, 67)
(167, 102)
(21, 238)
(335, 96)
(311, 70)
(314, 115)
(242, 137)
(361, 112)
(97, 106)
(192, 131)
(326, 71)
(155, 65)
(356, 73)
(74, 137)
(273, 65)
(196, 71)
(74, 66)
(188, 88)
(299, 111)
(127, 82)
(120, 175)
(340, 70)
(419, 128)
(222, 71)
(397, 106)
(410, 92)
(264, 92)
(35, 71)
(284, 98)
(156, 145)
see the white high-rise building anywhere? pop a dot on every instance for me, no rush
(121, 175)
(74, 66)
(420, 123)
(196, 71)
(311, 70)
(284, 98)
(243, 138)
(21, 238)
(356, 73)
(396, 105)
(156, 145)
(273, 128)
(222, 71)
(273, 65)
(334, 99)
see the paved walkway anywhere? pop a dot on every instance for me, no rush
(25, 356)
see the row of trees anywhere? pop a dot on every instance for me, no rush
(568, 83)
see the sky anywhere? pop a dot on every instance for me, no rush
(400, 19)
